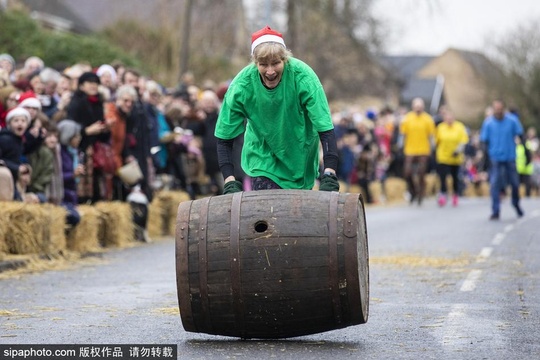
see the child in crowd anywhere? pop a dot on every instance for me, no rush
(23, 181)
(42, 163)
(69, 133)
(11, 145)
(54, 191)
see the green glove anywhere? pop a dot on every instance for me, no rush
(329, 182)
(232, 187)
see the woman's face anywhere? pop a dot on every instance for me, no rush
(64, 84)
(271, 71)
(33, 112)
(89, 88)
(75, 141)
(125, 103)
(37, 85)
(106, 79)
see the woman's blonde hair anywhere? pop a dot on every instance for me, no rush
(270, 50)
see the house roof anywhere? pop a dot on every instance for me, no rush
(423, 88)
(405, 67)
(481, 65)
(57, 9)
(94, 15)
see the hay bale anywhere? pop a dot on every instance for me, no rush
(57, 230)
(376, 190)
(470, 190)
(169, 201)
(117, 227)
(83, 238)
(156, 215)
(483, 189)
(176, 197)
(395, 189)
(27, 228)
(432, 184)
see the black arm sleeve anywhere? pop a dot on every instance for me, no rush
(329, 147)
(225, 157)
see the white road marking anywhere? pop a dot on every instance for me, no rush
(453, 326)
(509, 228)
(498, 239)
(485, 253)
(470, 282)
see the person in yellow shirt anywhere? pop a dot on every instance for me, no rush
(524, 167)
(417, 131)
(450, 140)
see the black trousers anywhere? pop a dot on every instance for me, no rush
(443, 171)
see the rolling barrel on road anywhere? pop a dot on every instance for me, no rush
(272, 263)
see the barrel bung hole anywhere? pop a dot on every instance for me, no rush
(261, 226)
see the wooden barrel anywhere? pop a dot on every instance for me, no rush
(272, 263)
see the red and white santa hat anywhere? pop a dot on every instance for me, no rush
(29, 99)
(18, 111)
(265, 35)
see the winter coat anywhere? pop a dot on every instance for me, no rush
(11, 148)
(210, 144)
(42, 169)
(138, 131)
(118, 122)
(86, 111)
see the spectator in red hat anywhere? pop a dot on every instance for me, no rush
(287, 117)
(11, 143)
(35, 134)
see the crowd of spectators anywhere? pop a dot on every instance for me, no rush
(65, 133)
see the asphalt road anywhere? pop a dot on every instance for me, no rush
(445, 283)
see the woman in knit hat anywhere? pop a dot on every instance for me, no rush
(287, 118)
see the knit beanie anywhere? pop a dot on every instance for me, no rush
(18, 111)
(8, 58)
(67, 129)
(265, 35)
(106, 68)
(88, 77)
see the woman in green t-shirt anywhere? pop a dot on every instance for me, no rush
(280, 104)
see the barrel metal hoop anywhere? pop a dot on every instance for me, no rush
(350, 217)
(203, 261)
(182, 266)
(236, 281)
(333, 254)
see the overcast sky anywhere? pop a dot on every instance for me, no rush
(431, 26)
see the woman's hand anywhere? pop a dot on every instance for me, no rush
(96, 128)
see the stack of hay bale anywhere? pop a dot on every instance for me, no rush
(162, 212)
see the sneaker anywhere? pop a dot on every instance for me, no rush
(455, 200)
(519, 211)
(442, 200)
(494, 217)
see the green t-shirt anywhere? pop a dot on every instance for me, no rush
(281, 125)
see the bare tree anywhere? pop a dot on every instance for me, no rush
(519, 55)
(186, 29)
